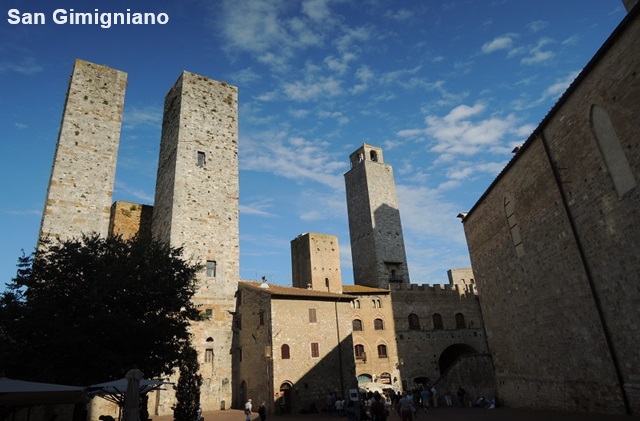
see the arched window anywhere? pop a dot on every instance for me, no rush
(382, 351)
(611, 151)
(460, 321)
(510, 211)
(378, 324)
(437, 322)
(356, 303)
(357, 325)
(373, 155)
(284, 352)
(414, 322)
(359, 350)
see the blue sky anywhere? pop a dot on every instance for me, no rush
(446, 88)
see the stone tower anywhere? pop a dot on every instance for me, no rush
(196, 207)
(315, 261)
(81, 185)
(377, 243)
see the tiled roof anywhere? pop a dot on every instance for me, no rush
(282, 291)
(361, 289)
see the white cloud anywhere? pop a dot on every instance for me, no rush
(26, 66)
(538, 25)
(317, 10)
(313, 89)
(537, 54)
(143, 196)
(294, 158)
(258, 208)
(400, 15)
(142, 116)
(503, 42)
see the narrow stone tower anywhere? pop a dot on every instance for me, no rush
(315, 262)
(80, 189)
(196, 207)
(377, 243)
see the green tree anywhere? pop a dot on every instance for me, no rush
(87, 310)
(188, 388)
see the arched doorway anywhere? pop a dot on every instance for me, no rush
(365, 378)
(285, 401)
(451, 354)
(242, 395)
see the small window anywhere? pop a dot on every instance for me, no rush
(315, 350)
(208, 355)
(382, 351)
(239, 354)
(201, 159)
(238, 322)
(374, 156)
(357, 325)
(312, 316)
(437, 322)
(261, 315)
(359, 351)
(284, 352)
(378, 324)
(460, 321)
(211, 268)
(414, 322)
(208, 312)
(356, 303)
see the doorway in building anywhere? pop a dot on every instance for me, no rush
(285, 401)
(451, 354)
(242, 395)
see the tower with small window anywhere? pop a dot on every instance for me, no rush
(196, 208)
(377, 243)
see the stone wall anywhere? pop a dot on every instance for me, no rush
(130, 219)
(553, 246)
(426, 349)
(315, 261)
(377, 242)
(369, 306)
(80, 189)
(196, 207)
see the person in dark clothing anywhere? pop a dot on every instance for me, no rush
(262, 411)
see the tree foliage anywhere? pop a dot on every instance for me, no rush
(87, 310)
(188, 388)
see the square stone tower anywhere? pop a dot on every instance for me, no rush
(315, 261)
(196, 207)
(377, 243)
(80, 189)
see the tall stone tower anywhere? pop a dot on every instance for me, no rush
(196, 207)
(84, 167)
(377, 243)
(315, 261)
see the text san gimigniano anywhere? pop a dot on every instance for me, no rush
(103, 19)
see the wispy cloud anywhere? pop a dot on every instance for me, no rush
(31, 212)
(27, 66)
(552, 92)
(139, 194)
(257, 208)
(538, 25)
(292, 157)
(538, 54)
(142, 116)
(503, 42)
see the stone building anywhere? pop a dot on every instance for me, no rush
(80, 190)
(432, 325)
(196, 207)
(287, 346)
(377, 243)
(553, 245)
(292, 346)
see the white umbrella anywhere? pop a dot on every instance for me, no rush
(20, 392)
(132, 397)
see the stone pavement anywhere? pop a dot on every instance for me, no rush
(438, 414)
